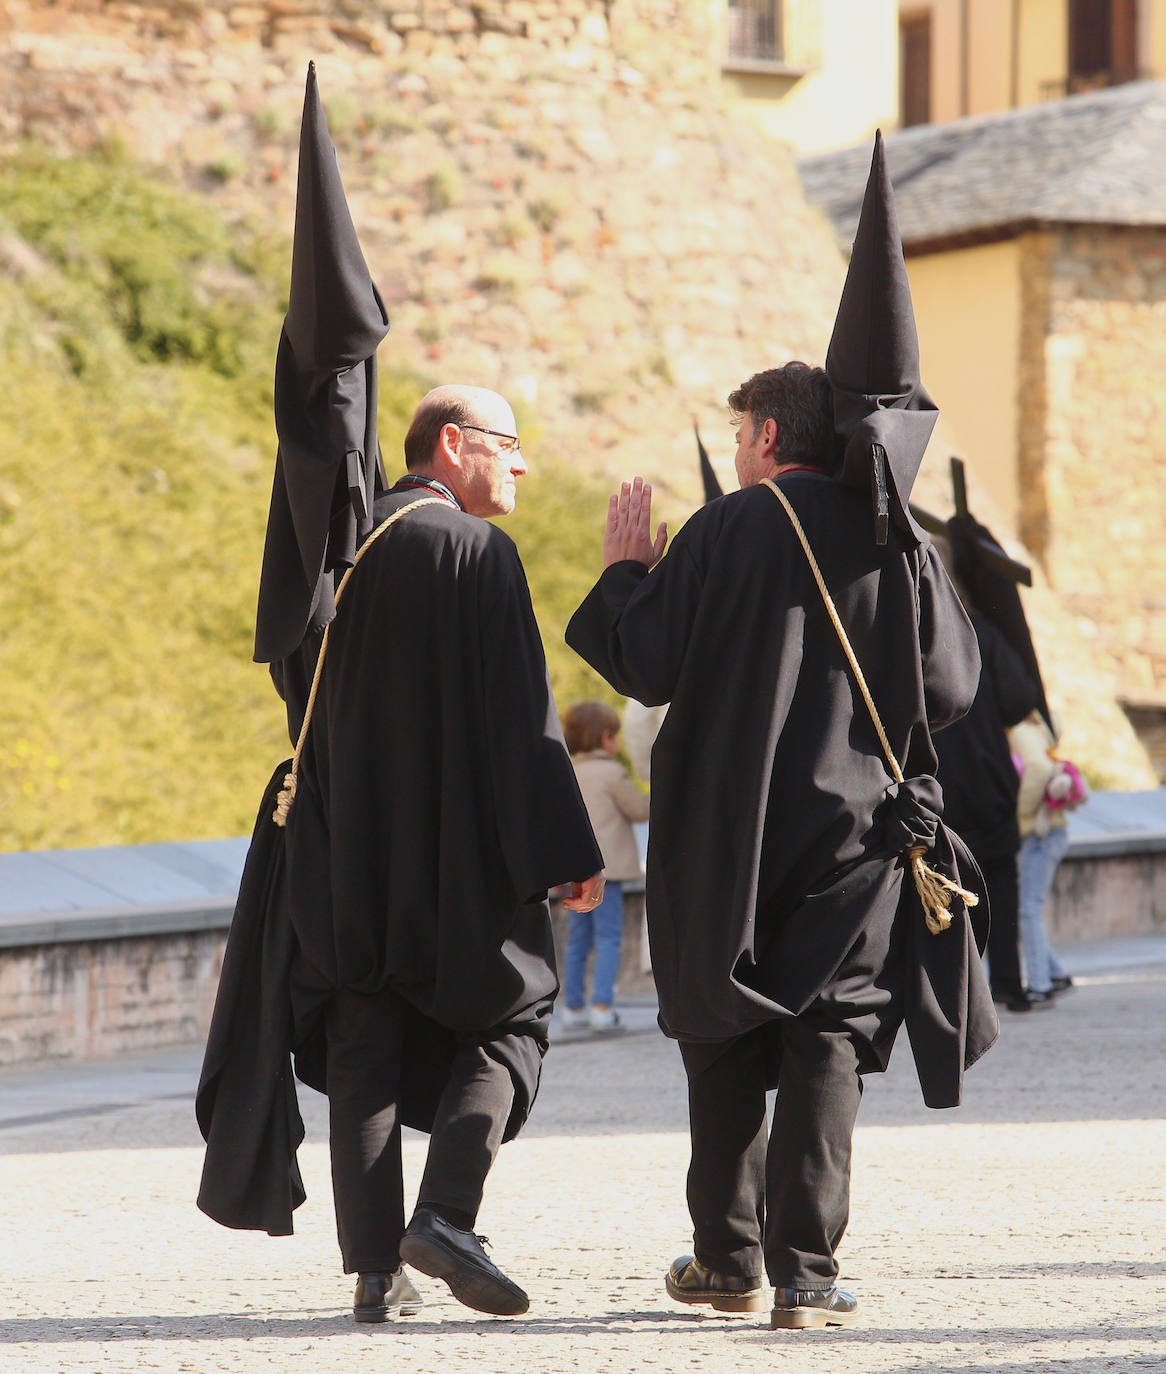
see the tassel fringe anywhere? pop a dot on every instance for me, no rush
(283, 803)
(935, 893)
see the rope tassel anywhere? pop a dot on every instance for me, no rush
(283, 801)
(935, 892)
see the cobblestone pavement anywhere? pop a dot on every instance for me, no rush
(1024, 1231)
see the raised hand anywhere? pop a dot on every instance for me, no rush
(628, 533)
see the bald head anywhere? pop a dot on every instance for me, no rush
(466, 436)
(452, 405)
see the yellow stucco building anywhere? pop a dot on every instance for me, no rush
(823, 74)
(817, 74)
(969, 57)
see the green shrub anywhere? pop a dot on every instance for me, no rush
(167, 273)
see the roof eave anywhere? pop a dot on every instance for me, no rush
(1011, 229)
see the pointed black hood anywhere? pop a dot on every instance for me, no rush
(883, 417)
(328, 465)
(712, 488)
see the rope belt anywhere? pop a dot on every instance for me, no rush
(288, 793)
(935, 891)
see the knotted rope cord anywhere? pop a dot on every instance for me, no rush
(287, 794)
(935, 891)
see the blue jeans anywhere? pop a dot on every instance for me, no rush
(602, 928)
(1039, 857)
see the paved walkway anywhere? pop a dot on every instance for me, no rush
(1025, 1231)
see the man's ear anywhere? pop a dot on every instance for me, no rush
(769, 435)
(449, 443)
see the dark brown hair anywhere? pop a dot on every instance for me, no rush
(427, 424)
(798, 398)
(586, 723)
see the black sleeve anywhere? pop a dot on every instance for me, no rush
(634, 625)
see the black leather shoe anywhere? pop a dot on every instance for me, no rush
(381, 1296)
(794, 1309)
(688, 1280)
(1023, 1000)
(1062, 982)
(435, 1247)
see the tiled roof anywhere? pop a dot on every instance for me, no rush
(1097, 158)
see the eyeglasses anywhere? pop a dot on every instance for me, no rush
(509, 443)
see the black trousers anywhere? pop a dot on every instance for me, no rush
(365, 1037)
(1002, 879)
(780, 1203)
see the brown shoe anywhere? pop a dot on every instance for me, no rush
(797, 1308)
(689, 1281)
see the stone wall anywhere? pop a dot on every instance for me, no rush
(1102, 898)
(380, 27)
(94, 999)
(93, 35)
(1093, 463)
(578, 220)
(1148, 718)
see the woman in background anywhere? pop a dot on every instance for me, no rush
(614, 802)
(1049, 789)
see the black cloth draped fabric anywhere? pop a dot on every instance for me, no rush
(996, 597)
(979, 780)
(328, 467)
(980, 787)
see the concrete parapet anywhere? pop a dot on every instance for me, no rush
(117, 951)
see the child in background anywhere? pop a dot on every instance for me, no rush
(1049, 789)
(613, 802)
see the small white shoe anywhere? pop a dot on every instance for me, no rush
(605, 1019)
(571, 1018)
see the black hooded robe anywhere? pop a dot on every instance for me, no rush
(774, 849)
(980, 782)
(980, 787)
(436, 804)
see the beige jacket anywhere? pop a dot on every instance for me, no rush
(613, 802)
(1031, 741)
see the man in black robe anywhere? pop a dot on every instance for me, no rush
(980, 782)
(785, 944)
(980, 789)
(804, 897)
(435, 805)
